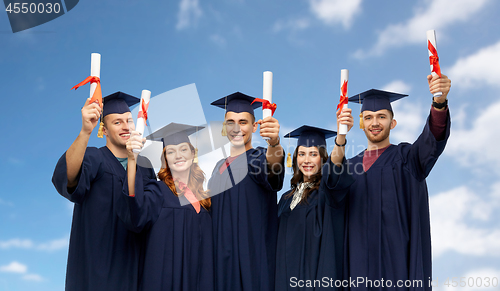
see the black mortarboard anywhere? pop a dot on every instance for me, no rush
(118, 102)
(310, 136)
(237, 102)
(174, 133)
(375, 100)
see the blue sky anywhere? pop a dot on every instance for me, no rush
(224, 46)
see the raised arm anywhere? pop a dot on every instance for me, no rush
(134, 142)
(270, 127)
(344, 116)
(76, 152)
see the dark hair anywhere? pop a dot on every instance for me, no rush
(299, 177)
(195, 182)
(253, 116)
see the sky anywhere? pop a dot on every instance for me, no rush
(224, 46)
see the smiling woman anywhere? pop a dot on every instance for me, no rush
(311, 213)
(173, 213)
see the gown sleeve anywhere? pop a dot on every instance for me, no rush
(335, 182)
(260, 173)
(142, 210)
(90, 170)
(421, 156)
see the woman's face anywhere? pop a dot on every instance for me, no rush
(309, 161)
(179, 157)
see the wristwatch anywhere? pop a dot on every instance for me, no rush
(439, 105)
(273, 145)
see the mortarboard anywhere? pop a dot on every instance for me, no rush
(174, 133)
(309, 136)
(117, 102)
(375, 100)
(237, 102)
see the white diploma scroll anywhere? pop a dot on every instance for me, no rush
(95, 70)
(431, 37)
(344, 77)
(145, 97)
(267, 94)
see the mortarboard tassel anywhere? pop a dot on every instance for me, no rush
(361, 124)
(289, 160)
(195, 160)
(100, 133)
(223, 132)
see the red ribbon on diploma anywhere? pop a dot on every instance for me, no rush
(434, 59)
(266, 104)
(343, 97)
(144, 112)
(97, 96)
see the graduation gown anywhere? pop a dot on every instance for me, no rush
(311, 236)
(179, 243)
(245, 222)
(388, 215)
(103, 253)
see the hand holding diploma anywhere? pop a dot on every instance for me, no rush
(268, 107)
(134, 145)
(142, 116)
(90, 116)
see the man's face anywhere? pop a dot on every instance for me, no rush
(239, 127)
(117, 128)
(378, 125)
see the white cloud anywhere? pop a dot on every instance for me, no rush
(454, 218)
(477, 147)
(433, 14)
(472, 281)
(218, 40)
(293, 24)
(3, 202)
(397, 86)
(16, 243)
(33, 277)
(189, 13)
(333, 12)
(478, 69)
(53, 245)
(14, 267)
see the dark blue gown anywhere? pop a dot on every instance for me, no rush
(179, 243)
(103, 253)
(311, 236)
(388, 222)
(245, 221)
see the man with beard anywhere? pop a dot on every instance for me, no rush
(388, 229)
(103, 254)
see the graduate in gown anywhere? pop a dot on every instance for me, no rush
(173, 213)
(103, 253)
(310, 247)
(388, 223)
(244, 201)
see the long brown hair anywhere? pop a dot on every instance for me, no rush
(298, 177)
(195, 182)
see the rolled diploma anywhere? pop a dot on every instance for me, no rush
(344, 76)
(145, 96)
(431, 36)
(267, 94)
(95, 70)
